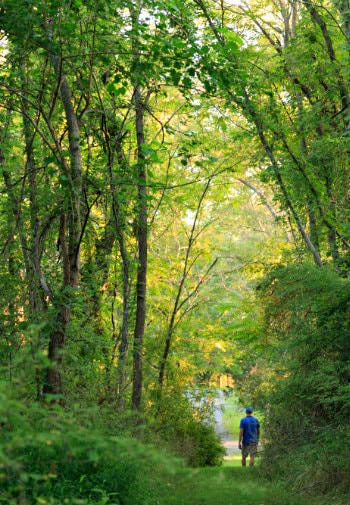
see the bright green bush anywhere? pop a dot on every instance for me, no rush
(188, 432)
(47, 458)
(307, 329)
(315, 466)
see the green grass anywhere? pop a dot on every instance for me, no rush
(227, 485)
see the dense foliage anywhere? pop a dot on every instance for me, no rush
(168, 170)
(48, 458)
(307, 395)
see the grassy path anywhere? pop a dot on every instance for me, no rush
(227, 485)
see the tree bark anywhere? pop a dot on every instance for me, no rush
(343, 92)
(142, 232)
(53, 382)
(34, 263)
(70, 240)
(124, 330)
(332, 236)
(253, 115)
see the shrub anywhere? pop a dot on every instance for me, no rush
(47, 458)
(187, 431)
(307, 328)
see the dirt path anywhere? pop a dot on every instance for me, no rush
(231, 447)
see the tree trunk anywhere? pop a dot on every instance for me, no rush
(53, 382)
(313, 224)
(332, 236)
(141, 281)
(343, 92)
(70, 247)
(103, 250)
(124, 330)
(310, 203)
(280, 181)
(34, 273)
(124, 336)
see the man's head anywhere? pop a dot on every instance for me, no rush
(249, 411)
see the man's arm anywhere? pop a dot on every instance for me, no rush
(240, 438)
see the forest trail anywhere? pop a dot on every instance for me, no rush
(174, 221)
(228, 485)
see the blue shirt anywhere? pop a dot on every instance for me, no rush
(250, 426)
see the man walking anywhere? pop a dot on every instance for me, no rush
(249, 436)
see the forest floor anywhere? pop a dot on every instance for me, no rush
(230, 484)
